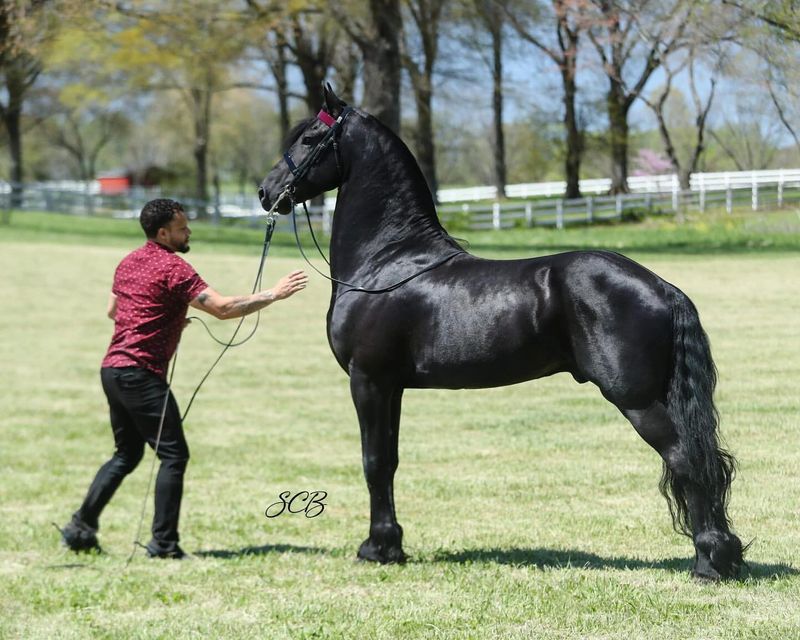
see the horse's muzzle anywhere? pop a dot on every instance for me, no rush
(263, 198)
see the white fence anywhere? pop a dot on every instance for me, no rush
(538, 204)
(637, 184)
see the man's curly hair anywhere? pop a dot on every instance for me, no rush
(158, 213)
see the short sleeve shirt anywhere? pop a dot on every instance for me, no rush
(154, 287)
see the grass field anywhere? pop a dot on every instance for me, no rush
(529, 511)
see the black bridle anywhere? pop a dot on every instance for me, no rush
(334, 127)
(300, 171)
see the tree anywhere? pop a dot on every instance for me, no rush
(488, 17)
(26, 29)
(376, 32)
(310, 34)
(274, 50)
(627, 35)
(561, 46)
(684, 168)
(84, 132)
(245, 147)
(426, 16)
(775, 37)
(186, 48)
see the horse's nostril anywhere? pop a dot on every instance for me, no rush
(261, 194)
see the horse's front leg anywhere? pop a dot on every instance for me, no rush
(378, 408)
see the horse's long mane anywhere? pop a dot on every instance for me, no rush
(427, 204)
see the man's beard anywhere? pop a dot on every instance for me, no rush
(184, 248)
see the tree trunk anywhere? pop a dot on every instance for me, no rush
(574, 150)
(202, 130)
(282, 84)
(426, 150)
(313, 63)
(346, 63)
(618, 133)
(497, 105)
(314, 73)
(12, 120)
(201, 182)
(382, 63)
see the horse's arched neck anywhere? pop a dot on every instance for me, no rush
(385, 213)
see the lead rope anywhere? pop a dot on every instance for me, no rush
(136, 541)
(355, 287)
(231, 343)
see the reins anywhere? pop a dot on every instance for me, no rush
(352, 286)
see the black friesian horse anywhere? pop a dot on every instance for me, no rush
(467, 322)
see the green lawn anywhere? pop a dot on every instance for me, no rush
(529, 511)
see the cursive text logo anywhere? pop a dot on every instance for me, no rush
(310, 503)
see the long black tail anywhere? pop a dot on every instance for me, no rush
(690, 405)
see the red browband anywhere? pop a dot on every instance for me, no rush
(326, 117)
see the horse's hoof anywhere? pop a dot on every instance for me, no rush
(371, 552)
(711, 576)
(719, 556)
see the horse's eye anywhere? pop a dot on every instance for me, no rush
(308, 139)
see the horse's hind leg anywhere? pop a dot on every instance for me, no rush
(378, 408)
(697, 510)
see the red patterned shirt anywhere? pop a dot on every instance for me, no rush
(153, 286)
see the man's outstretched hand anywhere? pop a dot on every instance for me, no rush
(290, 284)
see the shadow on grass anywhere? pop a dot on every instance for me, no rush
(561, 559)
(228, 554)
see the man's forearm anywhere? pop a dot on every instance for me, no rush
(238, 306)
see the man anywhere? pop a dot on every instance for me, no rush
(153, 287)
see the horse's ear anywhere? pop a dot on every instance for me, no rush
(333, 104)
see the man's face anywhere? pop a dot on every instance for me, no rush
(176, 234)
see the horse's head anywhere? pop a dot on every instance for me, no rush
(311, 164)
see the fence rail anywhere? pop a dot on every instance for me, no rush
(637, 184)
(538, 204)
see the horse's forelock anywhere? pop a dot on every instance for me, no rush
(294, 134)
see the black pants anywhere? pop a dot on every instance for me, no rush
(136, 400)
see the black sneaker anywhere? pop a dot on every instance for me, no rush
(78, 537)
(175, 553)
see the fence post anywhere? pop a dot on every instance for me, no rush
(528, 214)
(559, 214)
(702, 193)
(675, 191)
(780, 189)
(618, 206)
(728, 194)
(755, 193)
(589, 209)
(496, 215)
